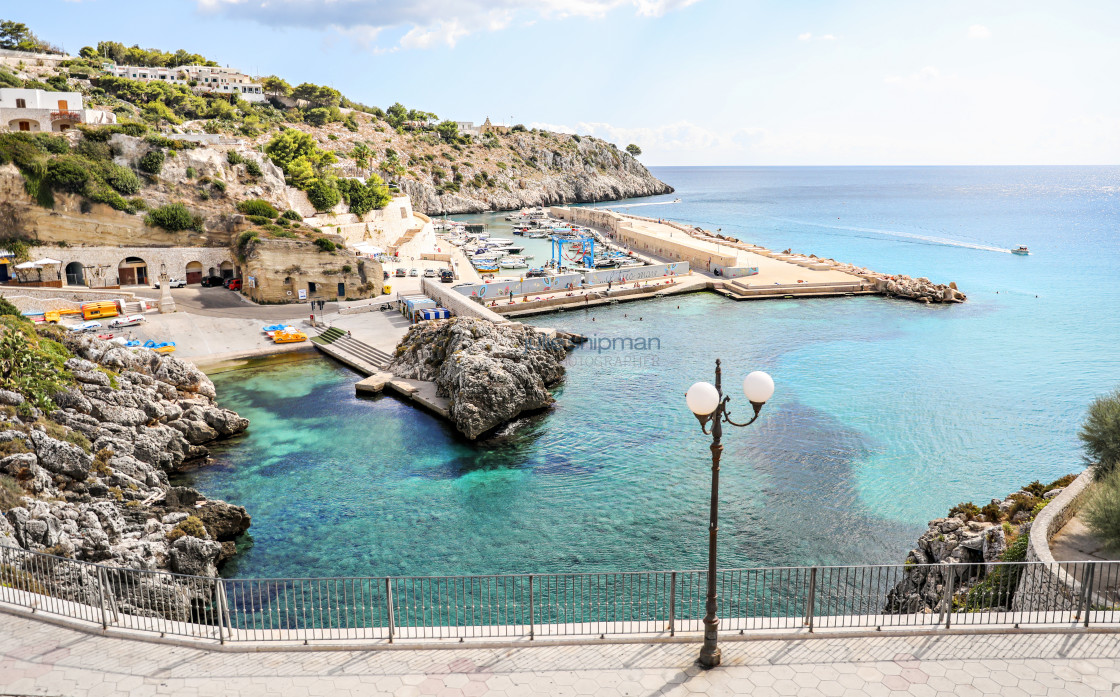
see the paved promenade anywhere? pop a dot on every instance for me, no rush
(41, 659)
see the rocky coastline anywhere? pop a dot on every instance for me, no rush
(490, 373)
(88, 478)
(965, 546)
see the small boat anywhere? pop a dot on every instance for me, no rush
(129, 321)
(86, 327)
(105, 337)
(277, 328)
(1021, 250)
(162, 347)
(289, 335)
(273, 328)
(132, 343)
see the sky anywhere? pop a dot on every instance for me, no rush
(692, 82)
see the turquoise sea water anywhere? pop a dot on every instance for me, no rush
(886, 412)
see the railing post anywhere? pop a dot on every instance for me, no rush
(531, 634)
(673, 604)
(1087, 592)
(101, 596)
(947, 606)
(220, 596)
(389, 605)
(811, 602)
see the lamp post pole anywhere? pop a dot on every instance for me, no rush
(709, 405)
(709, 652)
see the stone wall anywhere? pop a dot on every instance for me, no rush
(459, 306)
(100, 264)
(1046, 586)
(381, 227)
(622, 229)
(76, 221)
(275, 271)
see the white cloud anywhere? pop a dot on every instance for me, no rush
(926, 76)
(979, 31)
(424, 24)
(828, 37)
(807, 36)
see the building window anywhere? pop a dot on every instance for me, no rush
(24, 126)
(21, 103)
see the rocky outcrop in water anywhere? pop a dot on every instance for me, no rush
(965, 546)
(491, 373)
(921, 290)
(92, 475)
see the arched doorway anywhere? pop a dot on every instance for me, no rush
(75, 274)
(133, 271)
(211, 271)
(227, 270)
(194, 272)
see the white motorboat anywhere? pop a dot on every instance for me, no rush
(1021, 250)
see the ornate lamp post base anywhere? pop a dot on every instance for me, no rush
(166, 303)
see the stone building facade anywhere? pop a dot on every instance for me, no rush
(111, 267)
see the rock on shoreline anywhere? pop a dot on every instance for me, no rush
(965, 545)
(491, 373)
(95, 470)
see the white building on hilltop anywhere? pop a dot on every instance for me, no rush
(39, 110)
(200, 78)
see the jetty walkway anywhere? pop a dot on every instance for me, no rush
(39, 658)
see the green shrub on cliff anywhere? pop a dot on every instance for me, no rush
(1100, 434)
(1102, 510)
(10, 493)
(324, 194)
(174, 217)
(192, 526)
(362, 198)
(31, 365)
(152, 162)
(257, 207)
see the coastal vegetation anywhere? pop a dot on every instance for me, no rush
(1100, 434)
(1100, 437)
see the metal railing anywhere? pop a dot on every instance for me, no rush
(554, 606)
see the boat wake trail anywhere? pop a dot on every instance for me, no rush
(928, 239)
(636, 205)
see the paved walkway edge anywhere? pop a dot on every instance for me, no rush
(453, 644)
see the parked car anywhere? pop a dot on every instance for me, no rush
(446, 276)
(173, 283)
(414, 273)
(400, 273)
(429, 273)
(211, 281)
(234, 284)
(229, 281)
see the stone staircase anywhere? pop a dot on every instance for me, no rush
(357, 354)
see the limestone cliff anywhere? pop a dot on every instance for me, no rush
(502, 171)
(89, 480)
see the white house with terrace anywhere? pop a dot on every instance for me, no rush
(200, 78)
(39, 110)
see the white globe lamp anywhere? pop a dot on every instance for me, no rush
(758, 387)
(702, 398)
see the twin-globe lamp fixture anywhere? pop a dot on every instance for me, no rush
(708, 403)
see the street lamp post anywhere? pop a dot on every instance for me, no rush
(709, 404)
